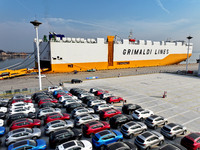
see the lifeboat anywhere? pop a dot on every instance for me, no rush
(131, 40)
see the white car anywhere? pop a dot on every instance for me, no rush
(54, 88)
(82, 119)
(22, 104)
(44, 111)
(66, 97)
(3, 109)
(141, 114)
(75, 145)
(81, 110)
(105, 95)
(1, 122)
(91, 103)
(21, 110)
(84, 94)
(66, 102)
(99, 107)
(58, 124)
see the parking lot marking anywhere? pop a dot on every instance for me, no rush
(178, 114)
(166, 109)
(191, 121)
(148, 101)
(156, 105)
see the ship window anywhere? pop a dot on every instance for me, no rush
(54, 58)
(123, 63)
(70, 66)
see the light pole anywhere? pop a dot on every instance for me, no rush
(189, 38)
(36, 25)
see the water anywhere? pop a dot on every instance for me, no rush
(28, 62)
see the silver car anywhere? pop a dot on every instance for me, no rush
(66, 97)
(155, 121)
(69, 101)
(80, 111)
(99, 107)
(132, 128)
(22, 133)
(58, 124)
(92, 103)
(82, 119)
(44, 111)
(171, 130)
(149, 139)
(84, 94)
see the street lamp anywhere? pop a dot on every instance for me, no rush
(189, 38)
(36, 25)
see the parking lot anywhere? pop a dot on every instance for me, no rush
(182, 104)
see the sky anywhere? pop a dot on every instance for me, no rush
(155, 20)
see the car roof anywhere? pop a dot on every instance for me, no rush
(131, 123)
(103, 133)
(118, 146)
(154, 116)
(92, 123)
(69, 144)
(171, 125)
(20, 143)
(194, 135)
(146, 134)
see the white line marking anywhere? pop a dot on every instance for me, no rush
(178, 114)
(148, 101)
(191, 121)
(156, 105)
(166, 109)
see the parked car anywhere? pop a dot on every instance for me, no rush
(84, 94)
(22, 104)
(82, 119)
(2, 130)
(114, 99)
(148, 139)
(14, 117)
(21, 110)
(53, 105)
(2, 115)
(121, 146)
(28, 144)
(72, 106)
(118, 120)
(25, 123)
(47, 101)
(76, 81)
(171, 130)
(22, 133)
(130, 129)
(75, 145)
(44, 111)
(3, 109)
(155, 121)
(21, 100)
(99, 92)
(99, 107)
(80, 111)
(93, 90)
(56, 116)
(69, 101)
(130, 108)
(191, 141)
(53, 88)
(105, 95)
(93, 127)
(67, 97)
(103, 138)
(141, 114)
(106, 114)
(172, 147)
(63, 135)
(57, 125)
(88, 98)
(94, 102)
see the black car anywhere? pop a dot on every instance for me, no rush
(117, 120)
(2, 115)
(130, 108)
(72, 106)
(39, 97)
(3, 104)
(76, 91)
(121, 146)
(88, 98)
(53, 105)
(19, 116)
(76, 81)
(64, 135)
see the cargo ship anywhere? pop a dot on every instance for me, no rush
(65, 54)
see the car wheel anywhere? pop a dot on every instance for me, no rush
(161, 142)
(155, 127)
(130, 112)
(173, 137)
(131, 136)
(165, 123)
(141, 119)
(34, 137)
(184, 132)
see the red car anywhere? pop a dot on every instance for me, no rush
(191, 141)
(94, 127)
(114, 99)
(47, 101)
(57, 116)
(62, 94)
(22, 100)
(106, 114)
(99, 92)
(25, 123)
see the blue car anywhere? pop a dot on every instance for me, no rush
(2, 131)
(59, 91)
(105, 137)
(28, 144)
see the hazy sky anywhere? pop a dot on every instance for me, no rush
(148, 19)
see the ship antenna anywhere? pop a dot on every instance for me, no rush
(130, 35)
